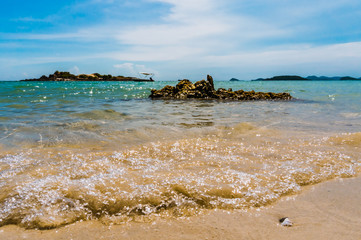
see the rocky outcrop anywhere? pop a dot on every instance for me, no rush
(204, 89)
(66, 76)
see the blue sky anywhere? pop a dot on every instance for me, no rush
(176, 39)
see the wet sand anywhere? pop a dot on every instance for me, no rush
(329, 210)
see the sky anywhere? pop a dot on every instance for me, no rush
(176, 39)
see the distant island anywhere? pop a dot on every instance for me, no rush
(298, 78)
(324, 78)
(66, 76)
(283, 78)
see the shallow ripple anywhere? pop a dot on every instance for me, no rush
(47, 188)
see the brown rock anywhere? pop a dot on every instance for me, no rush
(204, 89)
(210, 80)
(166, 92)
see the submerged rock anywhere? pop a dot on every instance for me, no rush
(204, 89)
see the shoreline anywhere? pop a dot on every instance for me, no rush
(96, 80)
(328, 210)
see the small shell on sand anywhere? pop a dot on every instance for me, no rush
(286, 222)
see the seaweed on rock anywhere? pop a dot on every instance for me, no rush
(204, 89)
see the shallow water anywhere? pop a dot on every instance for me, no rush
(73, 151)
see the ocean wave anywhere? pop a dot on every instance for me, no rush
(237, 167)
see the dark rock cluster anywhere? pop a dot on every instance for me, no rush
(283, 78)
(205, 90)
(66, 76)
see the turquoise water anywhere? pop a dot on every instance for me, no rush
(73, 151)
(47, 108)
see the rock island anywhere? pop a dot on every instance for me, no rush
(204, 89)
(66, 76)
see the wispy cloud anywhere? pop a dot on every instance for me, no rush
(133, 69)
(191, 28)
(31, 19)
(292, 56)
(190, 34)
(75, 70)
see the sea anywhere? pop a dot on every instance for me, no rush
(105, 151)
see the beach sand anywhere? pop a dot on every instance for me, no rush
(329, 210)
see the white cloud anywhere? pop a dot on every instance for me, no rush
(295, 55)
(334, 59)
(195, 34)
(182, 10)
(31, 19)
(188, 23)
(172, 34)
(75, 70)
(151, 54)
(131, 69)
(191, 28)
(124, 65)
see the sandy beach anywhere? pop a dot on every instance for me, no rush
(329, 210)
(165, 119)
